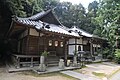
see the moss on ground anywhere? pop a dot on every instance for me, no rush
(101, 75)
(71, 78)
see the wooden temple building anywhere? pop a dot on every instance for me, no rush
(29, 37)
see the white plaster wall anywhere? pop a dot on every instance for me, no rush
(81, 47)
(96, 45)
(85, 42)
(34, 32)
(71, 41)
(77, 47)
(71, 49)
(79, 41)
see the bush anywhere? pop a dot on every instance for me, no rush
(117, 55)
(45, 53)
(110, 57)
(75, 52)
(105, 53)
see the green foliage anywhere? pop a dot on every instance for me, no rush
(24, 8)
(75, 52)
(49, 4)
(16, 7)
(68, 14)
(99, 51)
(45, 53)
(106, 52)
(117, 55)
(106, 19)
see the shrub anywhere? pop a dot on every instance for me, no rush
(105, 53)
(110, 57)
(75, 52)
(45, 53)
(117, 55)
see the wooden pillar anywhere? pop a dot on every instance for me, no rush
(66, 51)
(97, 46)
(45, 43)
(91, 47)
(39, 44)
(27, 51)
(75, 44)
(18, 62)
(22, 46)
(18, 47)
(82, 49)
(31, 62)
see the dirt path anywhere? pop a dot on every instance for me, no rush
(4, 75)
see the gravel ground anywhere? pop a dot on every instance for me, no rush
(106, 67)
(4, 75)
(116, 76)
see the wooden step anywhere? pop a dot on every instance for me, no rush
(52, 64)
(52, 61)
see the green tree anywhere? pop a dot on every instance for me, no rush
(49, 4)
(107, 17)
(92, 8)
(16, 7)
(24, 8)
(67, 13)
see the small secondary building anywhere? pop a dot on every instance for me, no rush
(86, 42)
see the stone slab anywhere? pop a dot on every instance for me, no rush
(79, 75)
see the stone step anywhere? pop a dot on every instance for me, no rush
(52, 64)
(79, 75)
(52, 59)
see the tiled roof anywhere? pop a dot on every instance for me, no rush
(82, 32)
(42, 25)
(38, 24)
(37, 16)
